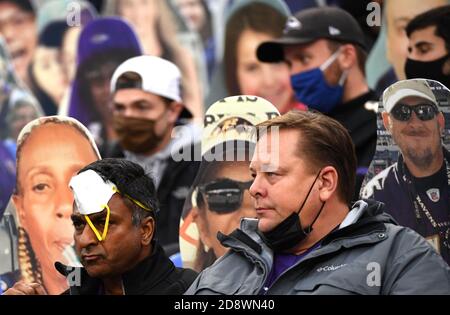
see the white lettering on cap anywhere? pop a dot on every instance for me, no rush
(293, 24)
(99, 38)
(333, 31)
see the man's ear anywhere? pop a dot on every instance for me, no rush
(328, 181)
(446, 69)
(347, 58)
(441, 122)
(18, 204)
(388, 51)
(386, 121)
(147, 230)
(194, 214)
(175, 109)
(203, 232)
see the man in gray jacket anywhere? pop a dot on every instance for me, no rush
(306, 239)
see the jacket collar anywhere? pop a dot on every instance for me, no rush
(142, 279)
(247, 240)
(149, 273)
(368, 226)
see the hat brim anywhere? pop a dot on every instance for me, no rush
(397, 97)
(272, 51)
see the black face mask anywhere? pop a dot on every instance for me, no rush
(289, 232)
(431, 70)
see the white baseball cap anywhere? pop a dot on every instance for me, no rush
(233, 117)
(405, 88)
(159, 76)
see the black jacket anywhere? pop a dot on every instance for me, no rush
(172, 192)
(361, 123)
(154, 275)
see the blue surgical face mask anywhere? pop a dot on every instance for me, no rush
(312, 89)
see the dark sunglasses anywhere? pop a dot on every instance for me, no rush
(224, 195)
(424, 112)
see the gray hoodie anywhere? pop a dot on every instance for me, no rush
(368, 254)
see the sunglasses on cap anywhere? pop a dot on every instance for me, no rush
(424, 112)
(224, 195)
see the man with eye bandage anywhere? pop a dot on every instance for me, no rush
(416, 189)
(114, 217)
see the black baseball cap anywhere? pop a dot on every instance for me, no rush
(52, 35)
(312, 24)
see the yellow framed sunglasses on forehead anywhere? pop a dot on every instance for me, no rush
(102, 236)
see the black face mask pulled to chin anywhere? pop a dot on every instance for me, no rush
(289, 232)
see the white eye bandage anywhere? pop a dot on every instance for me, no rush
(92, 194)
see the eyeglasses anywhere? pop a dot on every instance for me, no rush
(424, 112)
(224, 195)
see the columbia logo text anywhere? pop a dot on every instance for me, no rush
(330, 268)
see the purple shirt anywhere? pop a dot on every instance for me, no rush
(281, 263)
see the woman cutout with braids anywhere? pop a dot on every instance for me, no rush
(50, 151)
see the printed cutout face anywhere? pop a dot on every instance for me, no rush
(412, 137)
(398, 14)
(18, 27)
(268, 80)
(228, 121)
(69, 52)
(48, 72)
(193, 13)
(47, 160)
(210, 221)
(409, 169)
(418, 140)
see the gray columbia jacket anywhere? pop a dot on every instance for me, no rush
(368, 254)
